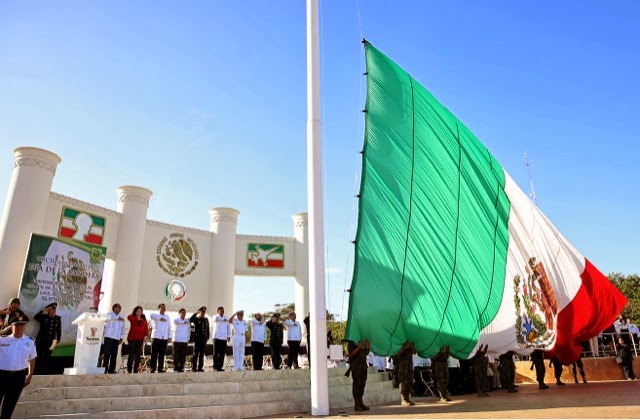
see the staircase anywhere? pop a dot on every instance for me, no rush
(190, 395)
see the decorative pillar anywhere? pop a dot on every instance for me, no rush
(122, 282)
(301, 247)
(223, 225)
(25, 211)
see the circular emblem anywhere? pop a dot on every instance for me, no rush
(175, 291)
(177, 256)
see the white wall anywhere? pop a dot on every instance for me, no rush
(154, 279)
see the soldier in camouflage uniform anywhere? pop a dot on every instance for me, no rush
(506, 369)
(442, 372)
(480, 365)
(358, 367)
(575, 373)
(537, 361)
(557, 370)
(405, 373)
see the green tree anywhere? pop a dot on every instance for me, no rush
(629, 285)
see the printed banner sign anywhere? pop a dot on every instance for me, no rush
(265, 255)
(81, 226)
(63, 271)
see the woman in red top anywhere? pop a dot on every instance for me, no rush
(137, 336)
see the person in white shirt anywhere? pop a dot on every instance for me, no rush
(371, 358)
(17, 362)
(113, 337)
(221, 337)
(181, 334)
(633, 330)
(389, 364)
(239, 330)
(258, 335)
(294, 337)
(421, 361)
(160, 336)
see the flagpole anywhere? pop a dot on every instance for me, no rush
(318, 315)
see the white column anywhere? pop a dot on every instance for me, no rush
(301, 250)
(318, 308)
(223, 224)
(25, 211)
(123, 279)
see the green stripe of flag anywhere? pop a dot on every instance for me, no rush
(432, 232)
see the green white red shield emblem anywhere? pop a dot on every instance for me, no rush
(81, 226)
(265, 255)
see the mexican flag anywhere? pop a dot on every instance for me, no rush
(449, 250)
(81, 226)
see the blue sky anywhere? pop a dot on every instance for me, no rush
(203, 102)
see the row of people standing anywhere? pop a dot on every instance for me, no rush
(48, 336)
(225, 330)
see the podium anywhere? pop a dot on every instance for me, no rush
(90, 328)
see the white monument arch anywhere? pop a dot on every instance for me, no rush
(148, 262)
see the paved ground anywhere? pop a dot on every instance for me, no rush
(614, 399)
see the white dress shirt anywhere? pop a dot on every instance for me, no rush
(420, 361)
(114, 327)
(15, 353)
(294, 332)
(223, 328)
(389, 363)
(371, 358)
(239, 328)
(633, 329)
(161, 329)
(258, 331)
(182, 330)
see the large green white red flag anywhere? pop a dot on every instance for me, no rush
(449, 251)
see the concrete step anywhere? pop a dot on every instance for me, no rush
(212, 412)
(48, 381)
(33, 393)
(187, 395)
(246, 410)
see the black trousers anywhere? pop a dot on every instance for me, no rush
(42, 361)
(158, 351)
(294, 350)
(219, 353)
(135, 353)
(277, 357)
(197, 361)
(257, 351)
(11, 384)
(179, 356)
(110, 354)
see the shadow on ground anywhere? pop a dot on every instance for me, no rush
(614, 399)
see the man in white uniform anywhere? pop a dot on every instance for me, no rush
(161, 335)
(181, 334)
(294, 337)
(239, 330)
(113, 337)
(258, 335)
(17, 362)
(221, 337)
